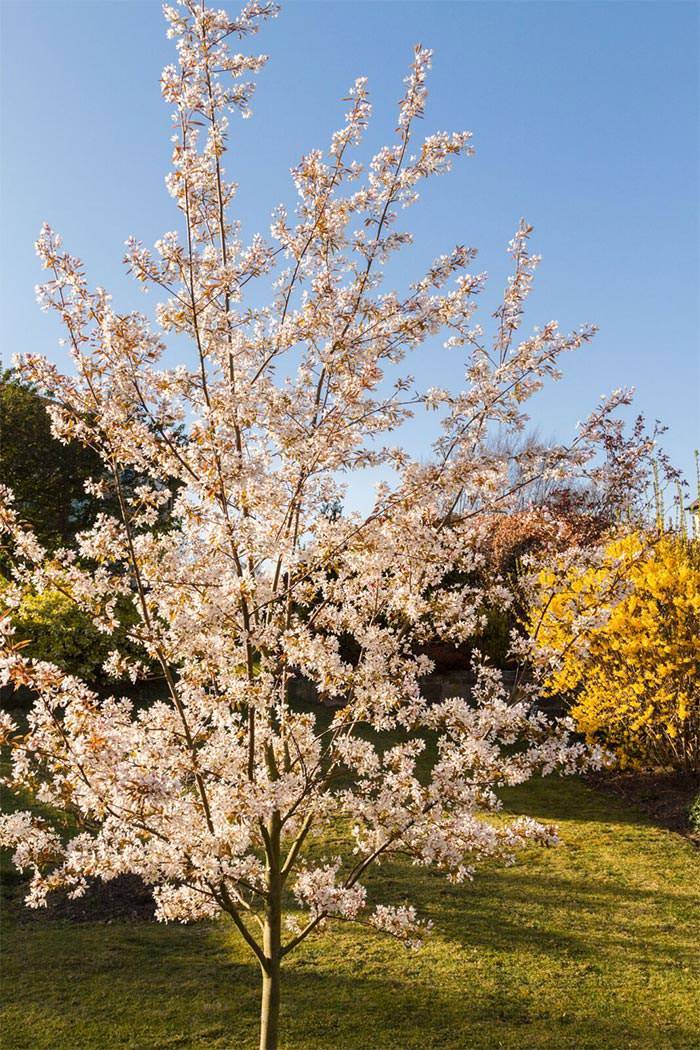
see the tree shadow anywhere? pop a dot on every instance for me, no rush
(190, 994)
(561, 952)
(417, 1015)
(573, 918)
(570, 798)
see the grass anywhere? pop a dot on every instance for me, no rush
(592, 946)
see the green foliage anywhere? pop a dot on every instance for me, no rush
(494, 641)
(58, 631)
(46, 476)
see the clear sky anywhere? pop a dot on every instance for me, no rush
(585, 121)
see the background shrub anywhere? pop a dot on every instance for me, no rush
(633, 675)
(57, 630)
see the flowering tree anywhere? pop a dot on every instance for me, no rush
(220, 796)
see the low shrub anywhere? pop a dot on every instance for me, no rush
(57, 630)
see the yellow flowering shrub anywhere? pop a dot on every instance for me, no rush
(624, 637)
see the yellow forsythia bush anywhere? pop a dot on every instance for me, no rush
(625, 636)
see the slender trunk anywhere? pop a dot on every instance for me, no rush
(272, 943)
(270, 1007)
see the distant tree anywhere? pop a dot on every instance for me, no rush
(46, 476)
(49, 479)
(53, 627)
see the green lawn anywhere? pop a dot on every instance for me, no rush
(593, 945)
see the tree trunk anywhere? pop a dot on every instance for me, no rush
(272, 942)
(270, 1007)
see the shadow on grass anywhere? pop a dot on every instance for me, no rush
(145, 993)
(567, 798)
(573, 918)
(593, 947)
(411, 1014)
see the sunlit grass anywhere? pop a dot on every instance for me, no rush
(593, 945)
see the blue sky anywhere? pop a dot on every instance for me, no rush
(585, 121)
